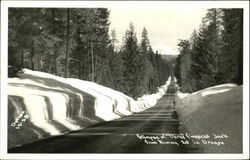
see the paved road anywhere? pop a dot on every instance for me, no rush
(131, 134)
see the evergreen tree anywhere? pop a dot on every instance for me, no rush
(184, 62)
(101, 47)
(206, 54)
(177, 70)
(25, 37)
(216, 51)
(55, 31)
(232, 49)
(145, 44)
(91, 56)
(40, 33)
(153, 81)
(116, 63)
(81, 59)
(54, 39)
(117, 69)
(146, 71)
(130, 56)
(194, 48)
(113, 38)
(67, 44)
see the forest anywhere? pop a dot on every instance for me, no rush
(78, 43)
(212, 55)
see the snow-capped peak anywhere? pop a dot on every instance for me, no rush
(164, 49)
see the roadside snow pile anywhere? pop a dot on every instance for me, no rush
(41, 105)
(151, 100)
(216, 110)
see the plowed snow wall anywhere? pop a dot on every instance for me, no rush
(42, 105)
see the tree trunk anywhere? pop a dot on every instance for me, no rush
(240, 50)
(55, 60)
(50, 65)
(92, 58)
(55, 46)
(22, 58)
(67, 46)
(32, 55)
(38, 64)
(79, 51)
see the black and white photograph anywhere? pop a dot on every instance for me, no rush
(130, 78)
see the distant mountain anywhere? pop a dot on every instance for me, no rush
(166, 52)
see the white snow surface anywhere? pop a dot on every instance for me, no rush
(165, 49)
(56, 105)
(214, 110)
(197, 99)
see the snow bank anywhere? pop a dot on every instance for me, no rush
(215, 110)
(151, 100)
(43, 105)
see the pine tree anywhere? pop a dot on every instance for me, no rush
(206, 54)
(232, 48)
(114, 39)
(117, 69)
(101, 47)
(177, 70)
(193, 52)
(145, 44)
(184, 62)
(130, 56)
(80, 61)
(116, 63)
(153, 81)
(91, 55)
(216, 51)
(25, 37)
(146, 71)
(67, 44)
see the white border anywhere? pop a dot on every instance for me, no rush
(122, 4)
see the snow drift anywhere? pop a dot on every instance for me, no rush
(42, 105)
(215, 110)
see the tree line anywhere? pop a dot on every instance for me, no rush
(214, 54)
(77, 43)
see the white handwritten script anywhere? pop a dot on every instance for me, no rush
(20, 120)
(184, 139)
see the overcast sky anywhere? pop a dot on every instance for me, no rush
(164, 26)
